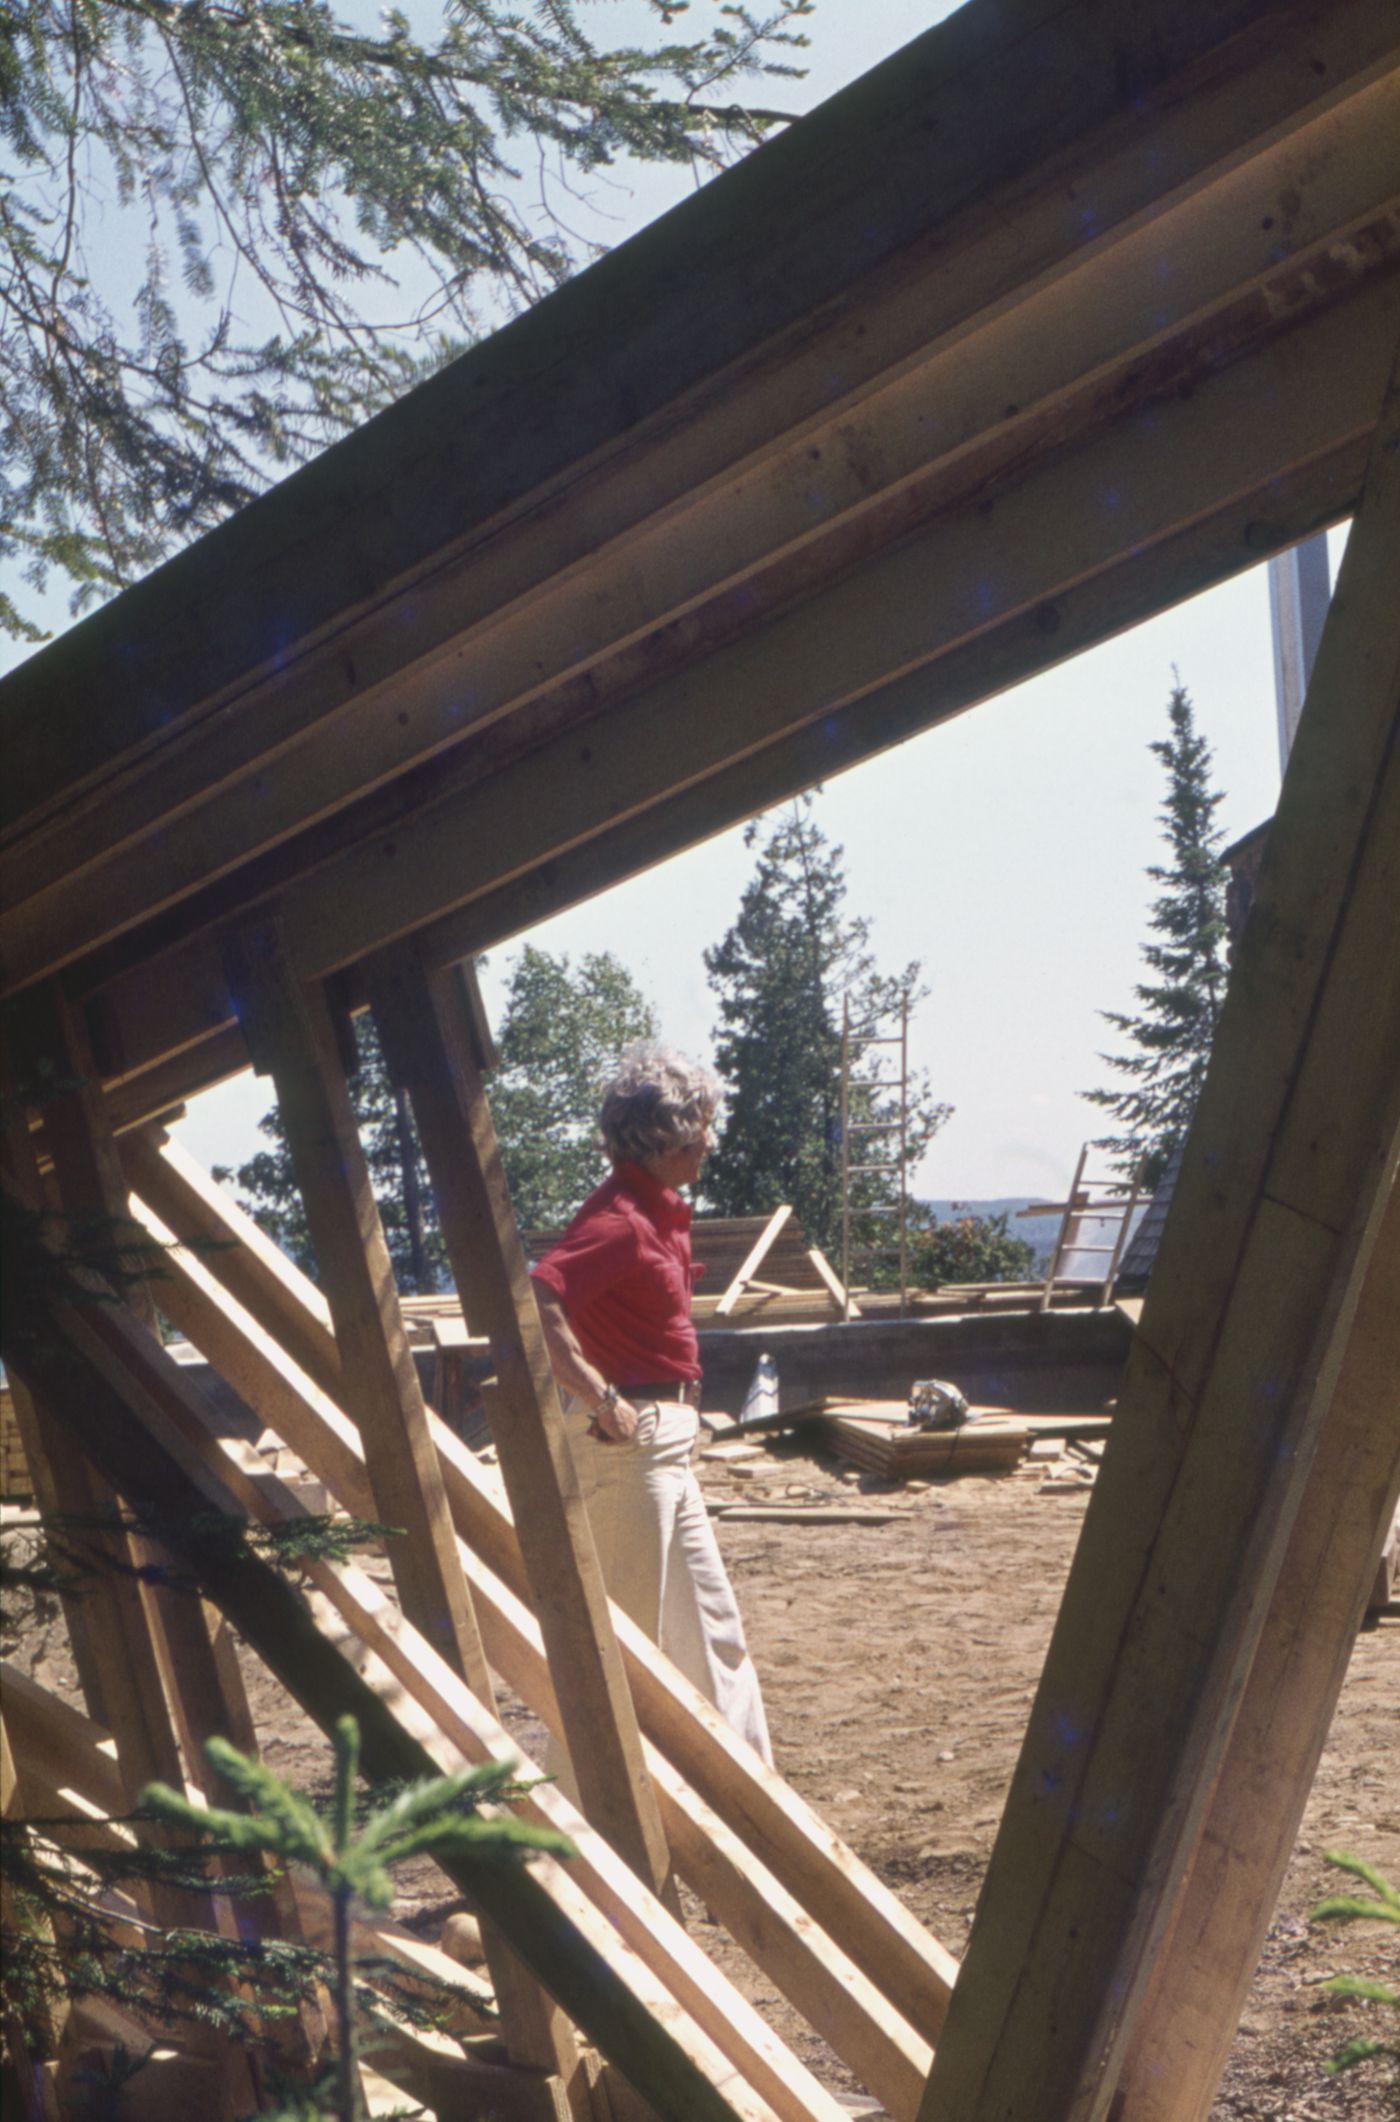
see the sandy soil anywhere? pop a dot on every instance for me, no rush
(899, 1662)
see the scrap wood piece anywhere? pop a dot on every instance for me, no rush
(753, 1260)
(803, 1514)
(1082, 1427)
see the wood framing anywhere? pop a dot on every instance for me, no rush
(1285, 1177)
(1057, 317)
(995, 337)
(291, 1031)
(805, 1859)
(117, 1391)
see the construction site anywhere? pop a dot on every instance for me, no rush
(1056, 318)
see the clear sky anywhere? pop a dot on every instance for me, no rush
(1005, 850)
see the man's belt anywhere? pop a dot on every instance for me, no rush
(684, 1390)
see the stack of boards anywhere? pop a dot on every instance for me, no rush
(876, 1435)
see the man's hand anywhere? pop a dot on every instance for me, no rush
(615, 1422)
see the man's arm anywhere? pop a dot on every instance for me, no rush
(614, 1421)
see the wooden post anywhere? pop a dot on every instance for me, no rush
(1201, 1979)
(425, 1027)
(1268, 1237)
(292, 1038)
(143, 1652)
(292, 1035)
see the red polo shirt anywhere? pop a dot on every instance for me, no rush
(623, 1273)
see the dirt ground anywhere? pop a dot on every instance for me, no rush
(898, 1662)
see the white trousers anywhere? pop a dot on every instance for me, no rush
(661, 1561)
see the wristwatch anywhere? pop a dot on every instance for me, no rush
(608, 1397)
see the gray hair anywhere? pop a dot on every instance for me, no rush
(657, 1100)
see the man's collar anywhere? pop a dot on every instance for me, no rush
(662, 1204)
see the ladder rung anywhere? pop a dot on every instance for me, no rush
(871, 1127)
(854, 1169)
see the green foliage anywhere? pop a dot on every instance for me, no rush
(170, 1975)
(68, 1554)
(561, 1030)
(59, 1939)
(1381, 1905)
(435, 1816)
(234, 231)
(1171, 1038)
(966, 1249)
(780, 974)
(561, 1033)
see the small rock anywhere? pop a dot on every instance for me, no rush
(461, 1940)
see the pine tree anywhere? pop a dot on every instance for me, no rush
(1181, 1001)
(211, 210)
(560, 1031)
(780, 974)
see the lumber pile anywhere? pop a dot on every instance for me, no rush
(876, 1436)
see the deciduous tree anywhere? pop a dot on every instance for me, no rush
(560, 1030)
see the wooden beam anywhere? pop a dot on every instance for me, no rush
(249, 1264)
(754, 1259)
(152, 1093)
(1270, 1230)
(425, 1028)
(841, 1896)
(897, 162)
(179, 997)
(1200, 1980)
(983, 563)
(644, 556)
(134, 1408)
(795, 718)
(291, 1034)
